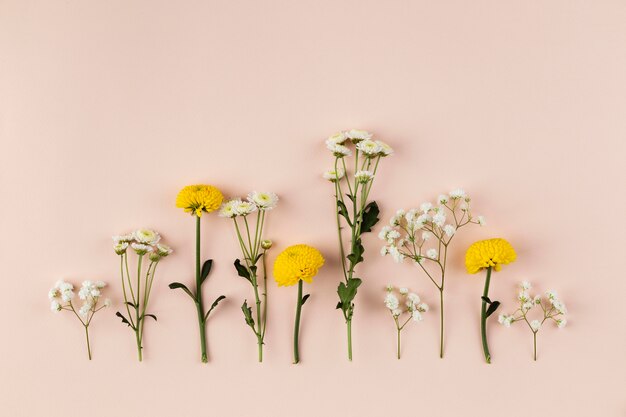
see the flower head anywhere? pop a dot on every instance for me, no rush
(266, 244)
(195, 199)
(385, 149)
(337, 139)
(369, 148)
(163, 250)
(357, 136)
(333, 175)
(489, 253)
(228, 209)
(457, 194)
(364, 176)
(339, 150)
(146, 236)
(243, 208)
(120, 247)
(263, 200)
(297, 262)
(141, 249)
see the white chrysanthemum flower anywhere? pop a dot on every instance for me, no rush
(535, 325)
(340, 151)
(457, 193)
(54, 293)
(243, 208)
(107, 302)
(525, 285)
(425, 207)
(123, 238)
(449, 230)
(146, 236)
(369, 148)
(442, 199)
(337, 139)
(422, 307)
(141, 249)
(228, 208)
(120, 248)
(481, 220)
(439, 218)
(403, 290)
(333, 175)
(356, 135)
(364, 176)
(416, 316)
(55, 306)
(413, 298)
(432, 254)
(560, 323)
(385, 149)
(263, 200)
(395, 253)
(391, 301)
(384, 251)
(163, 250)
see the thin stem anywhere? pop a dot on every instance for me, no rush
(399, 330)
(199, 301)
(483, 317)
(535, 344)
(349, 325)
(296, 330)
(441, 322)
(264, 294)
(139, 328)
(89, 346)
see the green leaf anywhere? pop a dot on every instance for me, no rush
(306, 297)
(242, 271)
(350, 196)
(486, 299)
(258, 257)
(215, 303)
(357, 253)
(206, 268)
(120, 315)
(150, 315)
(343, 211)
(339, 305)
(493, 307)
(131, 304)
(247, 312)
(370, 217)
(348, 291)
(183, 287)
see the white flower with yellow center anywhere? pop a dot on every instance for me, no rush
(243, 208)
(385, 149)
(339, 150)
(123, 238)
(146, 236)
(337, 139)
(120, 247)
(141, 249)
(356, 135)
(333, 176)
(364, 176)
(228, 209)
(369, 148)
(263, 200)
(163, 250)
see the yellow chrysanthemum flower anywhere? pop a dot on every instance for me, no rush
(198, 198)
(297, 262)
(489, 253)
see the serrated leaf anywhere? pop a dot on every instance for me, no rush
(215, 303)
(175, 285)
(247, 312)
(348, 291)
(493, 307)
(206, 269)
(242, 271)
(357, 253)
(343, 211)
(370, 217)
(486, 299)
(120, 315)
(306, 297)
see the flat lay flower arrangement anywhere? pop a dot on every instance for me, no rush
(422, 235)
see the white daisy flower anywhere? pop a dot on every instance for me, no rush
(141, 249)
(228, 209)
(382, 235)
(243, 208)
(396, 312)
(392, 236)
(369, 148)
(163, 250)
(411, 215)
(146, 236)
(337, 139)
(413, 298)
(364, 176)
(263, 200)
(123, 238)
(356, 135)
(120, 247)
(333, 176)
(340, 151)
(457, 193)
(385, 149)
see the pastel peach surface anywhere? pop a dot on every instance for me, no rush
(107, 108)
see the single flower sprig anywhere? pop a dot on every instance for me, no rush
(357, 212)
(411, 307)
(297, 264)
(553, 309)
(62, 295)
(196, 199)
(254, 249)
(488, 254)
(145, 243)
(424, 235)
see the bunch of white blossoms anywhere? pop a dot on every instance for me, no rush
(61, 297)
(552, 308)
(408, 231)
(404, 303)
(142, 241)
(256, 200)
(363, 142)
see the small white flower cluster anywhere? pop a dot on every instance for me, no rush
(408, 231)
(411, 304)
(363, 142)
(142, 241)
(256, 200)
(62, 294)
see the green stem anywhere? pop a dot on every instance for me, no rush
(441, 322)
(199, 300)
(399, 330)
(483, 317)
(89, 347)
(535, 344)
(139, 319)
(296, 330)
(349, 326)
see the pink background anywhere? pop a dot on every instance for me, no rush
(108, 108)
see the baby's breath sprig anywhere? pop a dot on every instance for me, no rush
(424, 235)
(357, 212)
(553, 309)
(62, 295)
(254, 249)
(411, 307)
(145, 244)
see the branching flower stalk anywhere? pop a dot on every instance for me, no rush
(254, 249)
(424, 235)
(552, 308)
(145, 243)
(411, 307)
(196, 199)
(360, 214)
(61, 298)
